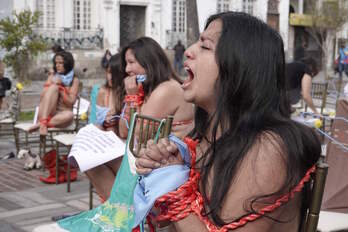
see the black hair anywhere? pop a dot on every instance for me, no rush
(57, 48)
(153, 59)
(118, 90)
(311, 65)
(252, 103)
(68, 61)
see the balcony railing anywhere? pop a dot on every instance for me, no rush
(73, 39)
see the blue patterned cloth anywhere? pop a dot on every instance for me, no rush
(67, 79)
(159, 182)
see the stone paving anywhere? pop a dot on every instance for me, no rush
(26, 202)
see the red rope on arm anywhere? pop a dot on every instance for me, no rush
(175, 205)
(136, 99)
(178, 204)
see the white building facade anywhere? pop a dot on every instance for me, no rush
(119, 21)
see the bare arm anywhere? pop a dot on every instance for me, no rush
(69, 97)
(160, 103)
(306, 86)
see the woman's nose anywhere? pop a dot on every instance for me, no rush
(128, 69)
(189, 52)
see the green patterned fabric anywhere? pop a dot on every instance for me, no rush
(117, 213)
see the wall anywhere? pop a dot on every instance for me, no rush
(205, 9)
(284, 23)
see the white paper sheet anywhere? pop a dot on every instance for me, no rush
(84, 105)
(93, 147)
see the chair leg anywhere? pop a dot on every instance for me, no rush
(16, 137)
(90, 195)
(68, 163)
(27, 143)
(57, 162)
(42, 145)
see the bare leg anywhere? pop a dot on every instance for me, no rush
(1, 102)
(62, 119)
(115, 164)
(48, 105)
(103, 177)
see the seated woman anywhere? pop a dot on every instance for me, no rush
(246, 151)
(161, 91)
(161, 95)
(59, 95)
(109, 103)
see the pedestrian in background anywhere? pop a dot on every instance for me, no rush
(341, 59)
(105, 59)
(299, 76)
(5, 83)
(179, 50)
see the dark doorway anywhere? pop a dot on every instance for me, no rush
(132, 23)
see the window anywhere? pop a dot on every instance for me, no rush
(248, 6)
(82, 15)
(47, 9)
(222, 5)
(179, 19)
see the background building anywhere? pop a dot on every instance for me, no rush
(100, 24)
(82, 23)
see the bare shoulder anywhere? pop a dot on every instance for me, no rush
(164, 100)
(262, 172)
(102, 90)
(101, 96)
(268, 159)
(167, 89)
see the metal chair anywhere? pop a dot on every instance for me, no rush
(148, 128)
(65, 140)
(311, 219)
(11, 115)
(24, 127)
(319, 93)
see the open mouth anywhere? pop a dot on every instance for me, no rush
(189, 77)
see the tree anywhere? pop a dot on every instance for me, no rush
(20, 42)
(327, 19)
(192, 32)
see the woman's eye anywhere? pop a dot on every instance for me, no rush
(204, 47)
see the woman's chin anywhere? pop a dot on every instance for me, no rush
(188, 97)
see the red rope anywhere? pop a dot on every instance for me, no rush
(136, 99)
(61, 88)
(178, 204)
(46, 121)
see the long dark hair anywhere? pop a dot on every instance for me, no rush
(118, 91)
(68, 60)
(251, 102)
(153, 59)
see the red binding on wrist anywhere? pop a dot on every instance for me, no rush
(136, 99)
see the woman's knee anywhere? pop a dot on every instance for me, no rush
(53, 88)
